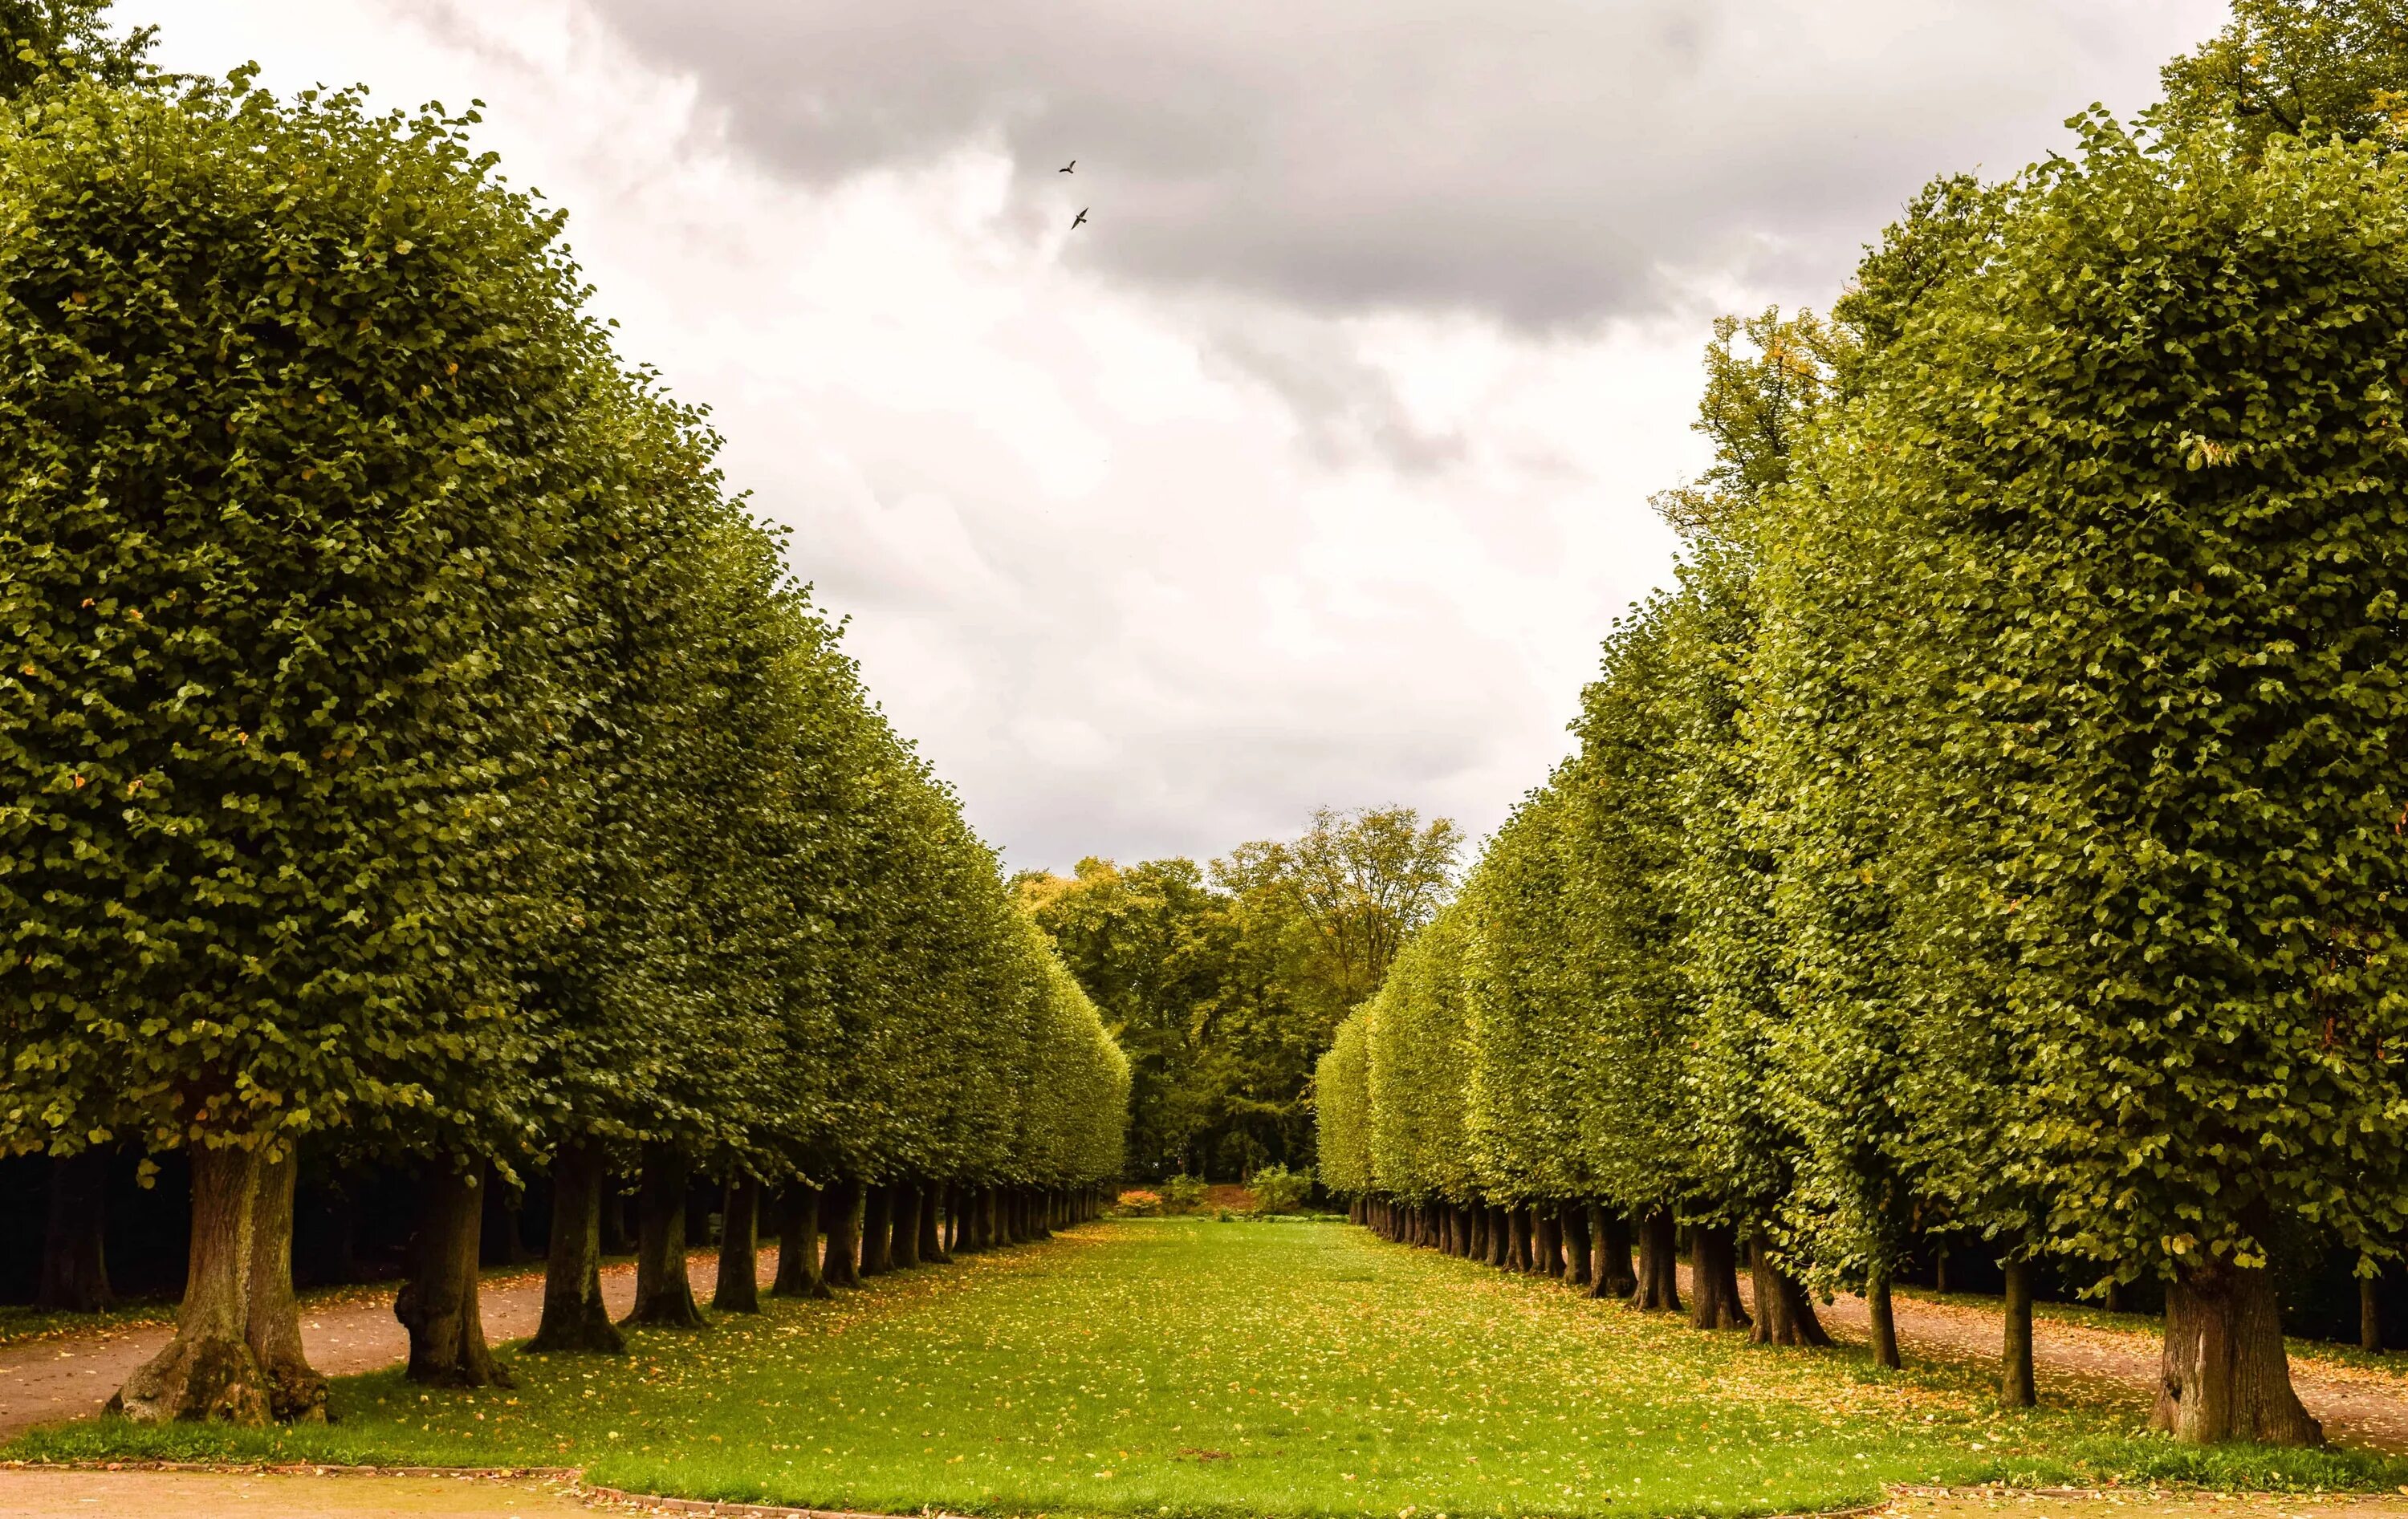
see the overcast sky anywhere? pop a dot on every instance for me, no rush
(1312, 469)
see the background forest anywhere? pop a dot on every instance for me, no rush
(1225, 984)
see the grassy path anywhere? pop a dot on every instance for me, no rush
(1180, 1367)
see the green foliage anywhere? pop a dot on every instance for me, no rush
(1183, 1193)
(1280, 1190)
(60, 40)
(2295, 68)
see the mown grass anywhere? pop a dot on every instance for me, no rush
(1182, 1366)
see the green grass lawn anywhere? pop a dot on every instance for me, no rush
(1186, 1366)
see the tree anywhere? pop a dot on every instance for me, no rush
(2295, 68)
(67, 39)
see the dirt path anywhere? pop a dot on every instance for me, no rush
(2358, 1405)
(67, 1376)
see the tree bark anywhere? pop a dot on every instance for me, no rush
(1609, 1244)
(1500, 1237)
(272, 1318)
(1658, 1287)
(75, 1260)
(903, 1215)
(2226, 1374)
(2369, 1315)
(437, 1301)
(575, 1318)
(1575, 1222)
(1713, 1278)
(2015, 1388)
(1479, 1248)
(932, 1235)
(664, 1292)
(1546, 1241)
(1520, 1251)
(739, 1288)
(877, 1229)
(1785, 1315)
(844, 1204)
(208, 1370)
(1884, 1322)
(798, 1242)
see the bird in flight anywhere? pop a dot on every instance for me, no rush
(1067, 167)
(1078, 221)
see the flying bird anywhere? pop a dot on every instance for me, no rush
(1078, 221)
(1067, 167)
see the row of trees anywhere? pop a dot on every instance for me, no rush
(1998, 832)
(1224, 984)
(410, 751)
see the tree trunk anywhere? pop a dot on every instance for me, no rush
(272, 1319)
(1713, 1278)
(1546, 1241)
(843, 1204)
(617, 1239)
(2226, 1375)
(1884, 1322)
(877, 1229)
(208, 1370)
(931, 1234)
(1940, 1271)
(75, 1264)
(1785, 1315)
(1658, 1287)
(575, 1318)
(1610, 1243)
(2113, 1301)
(798, 1242)
(1521, 1254)
(2015, 1389)
(664, 1293)
(738, 1289)
(1574, 1220)
(2369, 1315)
(437, 1301)
(1479, 1248)
(903, 1213)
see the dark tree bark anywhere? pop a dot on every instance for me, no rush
(74, 1262)
(1479, 1248)
(664, 1293)
(2113, 1301)
(1520, 1254)
(437, 1301)
(2226, 1374)
(798, 1243)
(2369, 1315)
(575, 1318)
(932, 1236)
(1546, 1241)
(1501, 1238)
(1939, 1270)
(842, 1219)
(739, 1287)
(1574, 1228)
(903, 1212)
(236, 1353)
(877, 1229)
(1884, 1321)
(1713, 1278)
(1785, 1315)
(1610, 1243)
(1658, 1287)
(2015, 1389)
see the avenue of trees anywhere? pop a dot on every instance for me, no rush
(1223, 986)
(2000, 833)
(411, 756)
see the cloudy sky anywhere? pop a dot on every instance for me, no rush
(1312, 469)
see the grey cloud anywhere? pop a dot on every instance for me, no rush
(1542, 161)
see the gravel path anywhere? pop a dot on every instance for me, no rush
(65, 1376)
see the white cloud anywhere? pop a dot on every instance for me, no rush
(1147, 564)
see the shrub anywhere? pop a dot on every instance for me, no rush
(1278, 1190)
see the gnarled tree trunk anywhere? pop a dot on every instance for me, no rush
(2226, 1375)
(664, 1292)
(739, 1288)
(437, 1301)
(2015, 1389)
(238, 1351)
(575, 1318)
(75, 1261)
(1713, 1278)
(1658, 1287)
(1785, 1315)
